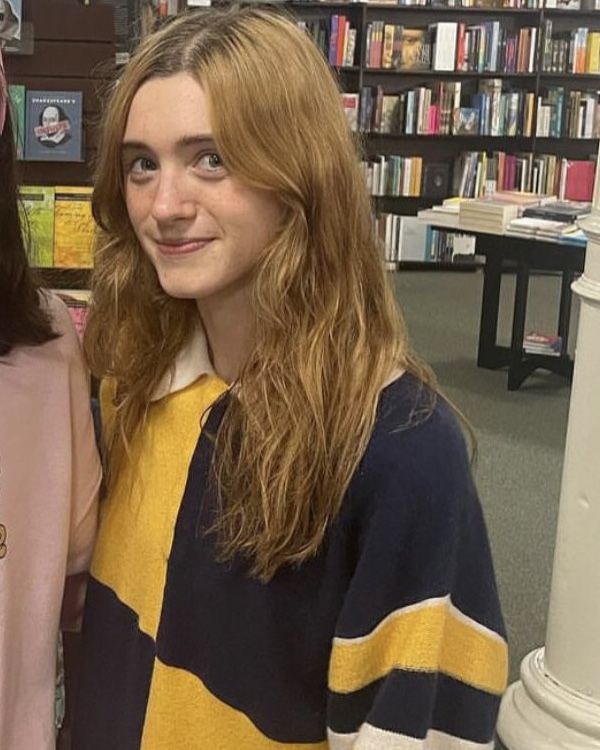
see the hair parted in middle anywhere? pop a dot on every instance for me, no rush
(328, 331)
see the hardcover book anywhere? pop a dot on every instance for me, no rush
(54, 126)
(436, 180)
(16, 95)
(415, 50)
(74, 229)
(37, 219)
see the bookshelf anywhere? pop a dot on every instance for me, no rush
(528, 75)
(73, 50)
(88, 38)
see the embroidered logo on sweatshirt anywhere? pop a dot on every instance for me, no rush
(3, 548)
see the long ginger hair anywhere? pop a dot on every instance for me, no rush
(328, 332)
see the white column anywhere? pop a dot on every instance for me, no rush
(556, 703)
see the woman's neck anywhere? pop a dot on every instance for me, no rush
(229, 326)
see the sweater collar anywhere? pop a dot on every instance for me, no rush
(192, 361)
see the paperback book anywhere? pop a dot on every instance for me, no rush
(75, 229)
(37, 219)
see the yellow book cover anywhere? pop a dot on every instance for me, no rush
(74, 227)
(592, 62)
(388, 45)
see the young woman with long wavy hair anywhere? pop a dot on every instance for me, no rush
(49, 477)
(291, 552)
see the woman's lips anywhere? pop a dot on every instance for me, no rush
(183, 247)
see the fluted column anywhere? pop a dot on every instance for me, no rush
(556, 703)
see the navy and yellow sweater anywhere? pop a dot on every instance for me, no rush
(391, 637)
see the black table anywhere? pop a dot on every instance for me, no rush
(522, 255)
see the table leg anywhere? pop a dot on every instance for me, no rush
(488, 327)
(516, 373)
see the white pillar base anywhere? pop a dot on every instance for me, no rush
(538, 713)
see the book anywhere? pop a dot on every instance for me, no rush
(444, 47)
(542, 343)
(54, 126)
(10, 20)
(37, 219)
(579, 180)
(16, 95)
(415, 49)
(411, 239)
(563, 211)
(436, 180)
(74, 227)
(466, 121)
(350, 105)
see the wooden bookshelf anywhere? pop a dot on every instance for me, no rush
(447, 148)
(71, 25)
(74, 50)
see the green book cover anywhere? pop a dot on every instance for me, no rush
(38, 223)
(17, 107)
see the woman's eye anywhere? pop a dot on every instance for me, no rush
(142, 165)
(211, 162)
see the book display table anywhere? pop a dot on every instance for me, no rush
(522, 255)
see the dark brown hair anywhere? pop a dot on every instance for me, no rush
(22, 319)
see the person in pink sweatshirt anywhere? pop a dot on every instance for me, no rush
(49, 478)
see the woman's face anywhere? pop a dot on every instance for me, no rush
(202, 228)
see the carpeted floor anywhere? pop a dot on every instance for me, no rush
(520, 434)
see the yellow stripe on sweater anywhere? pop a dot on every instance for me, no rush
(138, 518)
(183, 714)
(430, 637)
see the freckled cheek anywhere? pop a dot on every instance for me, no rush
(139, 209)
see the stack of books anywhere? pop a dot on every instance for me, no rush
(542, 343)
(562, 211)
(543, 229)
(553, 220)
(494, 213)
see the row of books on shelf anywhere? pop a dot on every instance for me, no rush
(59, 225)
(335, 37)
(575, 51)
(408, 239)
(48, 125)
(477, 173)
(474, 174)
(439, 109)
(396, 176)
(451, 46)
(568, 114)
(443, 108)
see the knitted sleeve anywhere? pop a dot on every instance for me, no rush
(419, 659)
